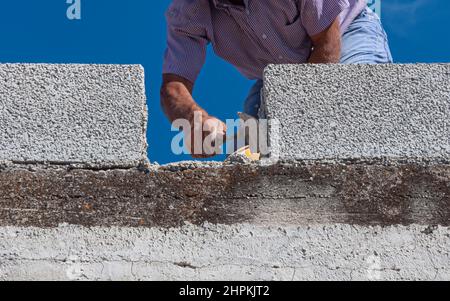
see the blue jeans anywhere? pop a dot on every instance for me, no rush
(364, 42)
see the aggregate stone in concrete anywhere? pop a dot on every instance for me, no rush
(220, 252)
(359, 111)
(94, 115)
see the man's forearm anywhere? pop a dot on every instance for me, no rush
(327, 45)
(176, 98)
(178, 103)
(329, 54)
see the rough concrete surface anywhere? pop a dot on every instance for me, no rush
(288, 194)
(218, 252)
(359, 111)
(94, 115)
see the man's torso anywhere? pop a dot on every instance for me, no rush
(262, 32)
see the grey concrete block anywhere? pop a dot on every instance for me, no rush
(359, 111)
(92, 115)
(226, 252)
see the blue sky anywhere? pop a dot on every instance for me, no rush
(133, 32)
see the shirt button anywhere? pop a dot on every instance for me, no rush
(281, 57)
(264, 36)
(248, 12)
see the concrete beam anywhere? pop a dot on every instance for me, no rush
(91, 115)
(168, 196)
(359, 111)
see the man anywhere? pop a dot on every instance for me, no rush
(250, 34)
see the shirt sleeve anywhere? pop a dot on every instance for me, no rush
(318, 15)
(187, 38)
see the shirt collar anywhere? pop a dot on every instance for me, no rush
(225, 3)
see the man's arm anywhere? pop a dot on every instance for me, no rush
(327, 45)
(176, 98)
(177, 103)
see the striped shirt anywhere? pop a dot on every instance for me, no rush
(250, 37)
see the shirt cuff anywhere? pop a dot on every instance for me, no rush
(184, 73)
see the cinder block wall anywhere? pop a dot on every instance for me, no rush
(361, 190)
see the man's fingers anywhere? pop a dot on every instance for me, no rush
(215, 131)
(215, 126)
(207, 137)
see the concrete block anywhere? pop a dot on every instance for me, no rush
(93, 115)
(359, 111)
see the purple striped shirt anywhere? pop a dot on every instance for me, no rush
(250, 37)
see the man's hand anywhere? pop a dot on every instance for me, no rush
(205, 136)
(327, 45)
(206, 133)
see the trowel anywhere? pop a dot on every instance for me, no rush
(244, 152)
